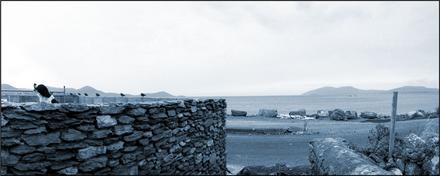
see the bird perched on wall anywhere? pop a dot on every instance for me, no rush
(97, 94)
(43, 94)
(79, 94)
(71, 94)
(142, 94)
(85, 94)
(122, 95)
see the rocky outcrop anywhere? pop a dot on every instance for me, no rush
(278, 169)
(268, 112)
(301, 112)
(333, 156)
(338, 114)
(174, 137)
(238, 113)
(413, 154)
(368, 115)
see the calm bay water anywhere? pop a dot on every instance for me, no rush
(380, 103)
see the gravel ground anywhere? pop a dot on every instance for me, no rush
(253, 149)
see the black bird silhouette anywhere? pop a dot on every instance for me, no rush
(71, 93)
(85, 94)
(123, 95)
(97, 94)
(142, 94)
(79, 93)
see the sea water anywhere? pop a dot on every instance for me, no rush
(380, 103)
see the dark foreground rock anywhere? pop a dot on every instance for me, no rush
(238, 113)
(278, 169)
(333, 156)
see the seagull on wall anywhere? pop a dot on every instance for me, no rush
(85, 94)
(122, 95)
(97, 94)
(79, 94)
(43, 94)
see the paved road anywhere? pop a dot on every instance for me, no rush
(245, 150)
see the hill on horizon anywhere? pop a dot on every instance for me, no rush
(349, 90)
(92, 91)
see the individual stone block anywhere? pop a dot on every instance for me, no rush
(101, 134)
(105, 121)
(69, 171)
(126, 119)
(93, 164)
(133, 137)
(91, 151)
(22, 149)
(123, 129)
(43, 139)
(115, 146)
(72, 135)
(136, 112)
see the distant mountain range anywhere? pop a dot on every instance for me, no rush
(92, 91)
(349, 90)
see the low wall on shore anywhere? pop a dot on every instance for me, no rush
(172, 137)
(332, 156)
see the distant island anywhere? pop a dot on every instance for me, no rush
(92, 91)
(349, 90)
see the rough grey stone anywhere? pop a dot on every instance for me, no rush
(125, 119)
(86, 128)
(129, 157)
(123, 129)
(11, 142)
(33, 157)
(210, 143)
(116, 146)
(144, 142)
(133, 137)
(43, 139)
(22, 149)
(148, 134)
(36, 131)
(333, 156)
(91, 151)
(171, 113)
(31, 166)
(69, 171)
(113, 162)
(368, 115)
(60, 156)
(3, 121)
(105, 121)
(111, 110)
(9, 159)
(238, 113)
(130, 149)
(40, 107)
(161, 115)
(136, 112)
(93, 164)
(338, 114)
(75, 107)
(101, 134)
(72, 135)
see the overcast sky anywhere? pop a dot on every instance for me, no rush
(220, 48)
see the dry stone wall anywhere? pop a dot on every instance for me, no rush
(173, 137)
